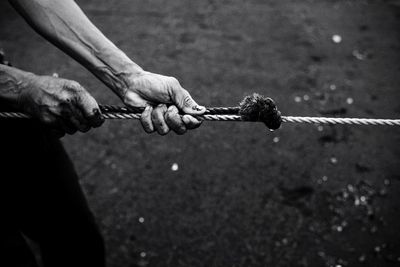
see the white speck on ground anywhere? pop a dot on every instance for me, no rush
(336, 38)
(174, 167)
(359, 55)
(349, 100)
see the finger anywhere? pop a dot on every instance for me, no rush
(145, 120)
(174, 120)
(58, 123)
(73, 118)
(89, 108)
(79, 120)
(157, 116)
(184, 101)
(66, 126)
(191, 122)
(50, 121)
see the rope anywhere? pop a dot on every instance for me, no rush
(353, 121)
(209, 111)
(225, 114)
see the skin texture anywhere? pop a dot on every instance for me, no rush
(64, 24)
(62, 105)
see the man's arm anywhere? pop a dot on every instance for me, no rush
(64, 24)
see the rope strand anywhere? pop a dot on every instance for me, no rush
(226, 114)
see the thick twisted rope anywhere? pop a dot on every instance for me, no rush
(226, 114)
(209, 111)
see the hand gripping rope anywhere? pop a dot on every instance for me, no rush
(252, 108)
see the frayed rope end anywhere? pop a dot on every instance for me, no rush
(256, 107)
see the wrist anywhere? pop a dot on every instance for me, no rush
(115, 70)
(13, 84)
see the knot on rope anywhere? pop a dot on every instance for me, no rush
(256, 107)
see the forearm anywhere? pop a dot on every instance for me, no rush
(12, 82)
(64, 24)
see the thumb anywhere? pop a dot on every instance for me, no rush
(184, 101)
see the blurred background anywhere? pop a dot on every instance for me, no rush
(236, 194)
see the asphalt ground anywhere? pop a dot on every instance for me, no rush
(235, 194)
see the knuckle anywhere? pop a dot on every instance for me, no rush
(157, 114)
(84, 98)
(161, 108)
(75, 85)
(172, 110)
(67, 85)
(146, 116)
(169, 114)
(66, 98)
(174, 81)
(147, 111)
(74, 89)
(173, 119)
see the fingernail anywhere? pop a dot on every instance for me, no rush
(198, 108)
